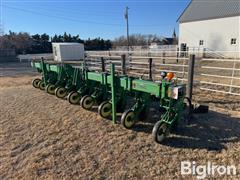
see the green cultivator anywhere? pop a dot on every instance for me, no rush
(111, 91)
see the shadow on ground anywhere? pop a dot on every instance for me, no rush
(204, 131)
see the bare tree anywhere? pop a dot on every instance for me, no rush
(137, 40)
(19, 41)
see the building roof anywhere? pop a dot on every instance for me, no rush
(210, 9)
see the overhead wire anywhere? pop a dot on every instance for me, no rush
(61, 17)
(82, 21)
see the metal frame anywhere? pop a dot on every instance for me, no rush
(115, 87)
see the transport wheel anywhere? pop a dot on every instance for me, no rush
(160, 131)
(60, 92)
(50, 89)
(128, 119)
(35, 83)
(87, 102)
(41, 85)
(105, 109)
(73, 97)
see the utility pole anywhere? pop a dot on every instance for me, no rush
(126, 17)
(1, 18)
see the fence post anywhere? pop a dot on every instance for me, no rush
(177, 55)
(103, 64)
(163, 57)
(190, 76)
(187, 51)
(123, 64)
(150, 68)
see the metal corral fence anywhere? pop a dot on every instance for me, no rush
(220, 75)
(142, 66)
(215, 75)
(147, 52)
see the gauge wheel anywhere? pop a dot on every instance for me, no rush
(50, 89)
(35, 83)
(41, 85)
(160, 131)
(73, 97)
(60, 92)
(87, 102)
(105, 109)
(128, 119)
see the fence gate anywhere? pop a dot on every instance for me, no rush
(220, 75)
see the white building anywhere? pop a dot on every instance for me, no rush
(212, 26)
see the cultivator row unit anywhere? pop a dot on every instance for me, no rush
(112, 91)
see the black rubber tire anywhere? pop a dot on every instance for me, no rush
(41, 85)
(128, 119)
(105, 109)
(87, 102)
(160, 131)
(73, 97)
(35, 83)
(50, 89)
(60, 92)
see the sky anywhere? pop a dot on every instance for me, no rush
(92, 18)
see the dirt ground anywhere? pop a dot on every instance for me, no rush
(43, 137)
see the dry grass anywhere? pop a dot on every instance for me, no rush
(42, 137)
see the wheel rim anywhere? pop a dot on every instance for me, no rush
(51, 89)
(161, 133)
(74, 98)
(106, 109)
(35, 83)
(61, 93)
(87, 102)
(129, 119)
(41, 85)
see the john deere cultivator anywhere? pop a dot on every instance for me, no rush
(110, 91)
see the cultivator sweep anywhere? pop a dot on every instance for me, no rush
(111, 93)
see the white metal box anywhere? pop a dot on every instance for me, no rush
(68, 51)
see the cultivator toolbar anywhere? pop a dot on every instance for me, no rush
(111, 92)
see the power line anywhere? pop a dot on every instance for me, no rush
(75, 11)
(81, 21)
(126, 17)
(1, 19)
(61, 17)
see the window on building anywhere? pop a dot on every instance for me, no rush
(233, 41)
(201, 42)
